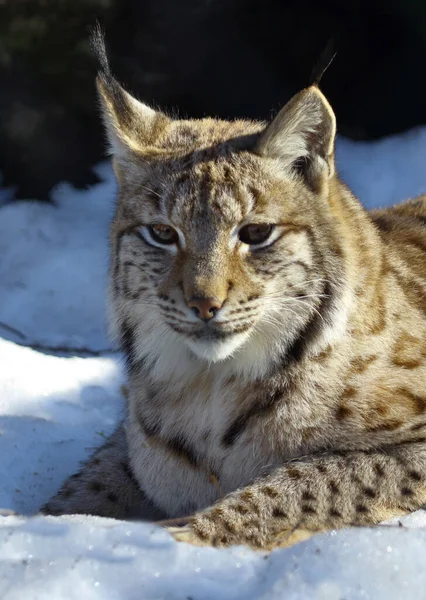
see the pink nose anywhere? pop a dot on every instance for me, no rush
(205, 308)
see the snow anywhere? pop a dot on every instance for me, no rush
(52, 411)
(53, 266)
(387, 171)
(61, 396)
(98, 559)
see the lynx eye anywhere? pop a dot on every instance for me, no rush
(255, 233)
(163, 234)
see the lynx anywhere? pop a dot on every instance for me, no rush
(274, 330)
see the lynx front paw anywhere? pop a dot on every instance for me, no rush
(187, 535)
(207, 534)
(242, 519)
(222, 526)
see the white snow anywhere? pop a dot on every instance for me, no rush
(56, 406)
(53, 264)
(387, 171)
(52, 411)
(98, 559)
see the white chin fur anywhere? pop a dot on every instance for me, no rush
(216, 351)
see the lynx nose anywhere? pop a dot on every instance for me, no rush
(205, 308)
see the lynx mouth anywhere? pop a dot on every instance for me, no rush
(213, 332)
(219, 334)
(214, 344)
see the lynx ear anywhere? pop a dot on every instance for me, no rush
(132, 127)
(302, 136)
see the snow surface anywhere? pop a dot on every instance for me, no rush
(60, 397)
(53, 263)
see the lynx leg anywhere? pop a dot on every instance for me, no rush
(105, 486)
(313, 495)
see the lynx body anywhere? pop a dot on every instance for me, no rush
(275, 332)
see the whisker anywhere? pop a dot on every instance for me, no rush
(177, 322)
(289, 298)
(142, 303)
(269, 322)
(279, 294)
(239, 321)
(315, 310)
(147, 189)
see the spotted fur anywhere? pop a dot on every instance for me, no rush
(301, 405)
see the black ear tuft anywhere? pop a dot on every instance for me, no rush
(97, 43)
(131, 126)
(326, 58)
(108, 87)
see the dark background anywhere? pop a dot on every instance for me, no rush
(219, 57)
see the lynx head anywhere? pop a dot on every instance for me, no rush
(222, 233)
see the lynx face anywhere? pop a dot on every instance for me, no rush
(218, 254)
(222, 234)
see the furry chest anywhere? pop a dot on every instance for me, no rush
(183, 463)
